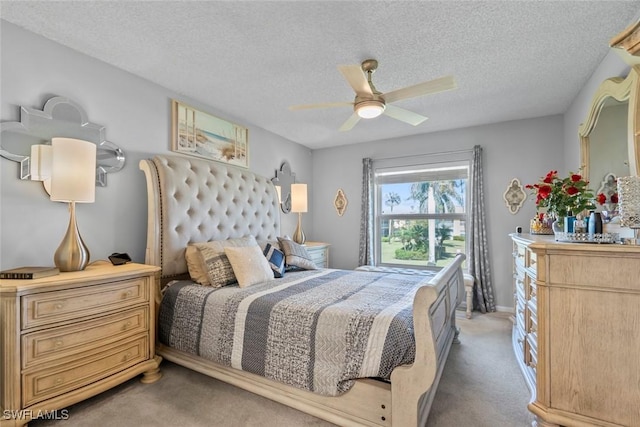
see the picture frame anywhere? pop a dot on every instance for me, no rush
(200, 134)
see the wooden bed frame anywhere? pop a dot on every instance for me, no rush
(180, 188)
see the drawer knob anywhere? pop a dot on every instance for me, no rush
(58, 381)
(126, 325)
(58, 306)
(127, 294)
(58, 343)
(126, 356)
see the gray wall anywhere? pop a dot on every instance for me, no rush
(136, 114)
(523, 149)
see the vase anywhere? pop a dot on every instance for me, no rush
(558, 226)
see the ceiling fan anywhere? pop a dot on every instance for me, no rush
(370, 103)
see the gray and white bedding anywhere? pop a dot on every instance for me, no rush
(317, 330)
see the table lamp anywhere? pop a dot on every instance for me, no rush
(299, 205)
(73, 177)
(629, 204)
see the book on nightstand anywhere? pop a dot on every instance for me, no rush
(28, 272)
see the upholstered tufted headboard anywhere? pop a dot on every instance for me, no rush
(194, 200)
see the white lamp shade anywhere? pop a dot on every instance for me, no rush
(41, 162)
(298, 197)
(73, 170)
(279, 191)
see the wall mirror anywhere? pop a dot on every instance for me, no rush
(610, 135)
(283, 179)
(60, 117)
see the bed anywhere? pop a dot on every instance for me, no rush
(194, 200)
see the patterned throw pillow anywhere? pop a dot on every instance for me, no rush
(212, 262)
(276, 260)
(296, 255)
(249, 265)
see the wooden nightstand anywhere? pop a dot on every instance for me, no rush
(319, 253)
(68, 337)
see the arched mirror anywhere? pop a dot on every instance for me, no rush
(610, 135)
(283, 180)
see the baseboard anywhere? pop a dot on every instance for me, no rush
(508, 309)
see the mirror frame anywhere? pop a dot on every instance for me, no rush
(620, 89)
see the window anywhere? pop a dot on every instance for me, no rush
(420, 211)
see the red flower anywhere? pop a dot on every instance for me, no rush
(614, 198)
(601, 198)
(576, 177)
(572, 191)
(544, 191)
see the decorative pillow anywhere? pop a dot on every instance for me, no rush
(296, 255)
(276, 260)
(213, 263)
(249, 265)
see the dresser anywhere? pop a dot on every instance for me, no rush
(71, 336)
(576, 332)
(319, 253)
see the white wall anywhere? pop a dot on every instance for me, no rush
(136, 114)
(523, 149)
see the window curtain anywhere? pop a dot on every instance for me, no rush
(479, 244)
(365, 250)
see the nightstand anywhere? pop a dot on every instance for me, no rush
(71, 336)
(319, 253)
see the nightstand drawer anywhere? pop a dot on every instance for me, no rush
(318, 257)
(50, 307)
(64, 341)
(45, 384)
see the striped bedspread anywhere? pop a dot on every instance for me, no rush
(316, 330)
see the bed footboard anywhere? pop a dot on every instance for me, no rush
(413, 387)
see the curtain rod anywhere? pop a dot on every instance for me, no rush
(442, 153)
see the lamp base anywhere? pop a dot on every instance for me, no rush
(72, 254)
(298, 235)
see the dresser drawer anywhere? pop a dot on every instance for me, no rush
(318, 257)
(41, 385)
(64, 341)
(56, 306)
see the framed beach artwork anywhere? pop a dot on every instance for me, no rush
(202, 135)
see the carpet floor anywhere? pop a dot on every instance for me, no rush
(481, 386)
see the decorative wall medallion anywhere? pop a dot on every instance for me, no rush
(514, 196)
(340, 202)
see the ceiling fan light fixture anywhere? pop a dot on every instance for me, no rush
(369, 109)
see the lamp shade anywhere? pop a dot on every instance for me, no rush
(73, 170)
(298, 197)
(369, 109)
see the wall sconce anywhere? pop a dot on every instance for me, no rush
(73, 166)
(299, 205)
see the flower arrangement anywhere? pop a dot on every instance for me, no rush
(562, 196)
(602, 199)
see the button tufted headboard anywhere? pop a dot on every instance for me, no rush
(194, 200)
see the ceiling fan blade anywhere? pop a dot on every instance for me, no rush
(321, 105)
(356, 79)
(425, 88)
(350, 123)
(404, 115)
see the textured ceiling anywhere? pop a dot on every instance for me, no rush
(253, 59)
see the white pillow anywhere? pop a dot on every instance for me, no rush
(249, 265)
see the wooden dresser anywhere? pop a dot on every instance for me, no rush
(71, 336)
(576, 330)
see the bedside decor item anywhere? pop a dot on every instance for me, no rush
(202, 135)
(60, 117)
(299, 205)
(28, 272)
(73, 166)
(340, 202)
(629, 204)
(562, 197)
(514, 196)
